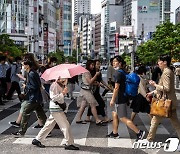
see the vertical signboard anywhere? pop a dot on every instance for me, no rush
(45, 38)
(116, 40)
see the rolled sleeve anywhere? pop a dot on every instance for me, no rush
(166, 83)
(55, 93)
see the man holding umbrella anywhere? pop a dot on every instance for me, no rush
(58, 89)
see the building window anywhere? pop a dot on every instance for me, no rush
(67, 8)
(67, 34)
(67, 16)
(67, 42)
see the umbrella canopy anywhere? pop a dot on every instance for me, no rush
(63, 71)
(176, 64)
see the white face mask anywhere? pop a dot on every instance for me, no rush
(54, 64)
(116, 68)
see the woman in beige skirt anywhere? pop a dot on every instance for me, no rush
(86, 97)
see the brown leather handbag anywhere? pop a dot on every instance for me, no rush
(161, 107)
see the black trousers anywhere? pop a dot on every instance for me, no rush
(3, 86)
(0, 96)
(14, 86)
(106, 90)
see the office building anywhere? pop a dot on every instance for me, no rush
(97, 34)
(81, 7)
(112, 10)
(177, 15)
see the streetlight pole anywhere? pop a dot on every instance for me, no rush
(77, 54)
(162, 11)
(133, 54)
(68, 49)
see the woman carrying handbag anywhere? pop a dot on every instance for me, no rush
(166, 84)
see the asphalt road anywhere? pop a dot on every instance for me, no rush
(89, 137)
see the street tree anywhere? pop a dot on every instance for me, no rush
(166, 40)
(8, 48)
(59, 55)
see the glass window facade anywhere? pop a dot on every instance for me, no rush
(67, 8)
(67, 26)
(67, 34)
(67, 16)
(13, 16)
(67, 42)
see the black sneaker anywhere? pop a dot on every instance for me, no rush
(38, 126)
(37, 143)
(71, 147)
(140, 135)
(20, 134)
(14, 124)
(72, 98)
(112, 135)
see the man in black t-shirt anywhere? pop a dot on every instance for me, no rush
(118, 101)
(120, 78)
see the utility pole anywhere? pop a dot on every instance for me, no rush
(142, 33)
(162, 12)
(77, 54)
(133, 54)
(68, 49)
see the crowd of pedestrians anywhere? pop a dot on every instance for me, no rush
(33, 90)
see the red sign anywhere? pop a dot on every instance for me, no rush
(116, 40)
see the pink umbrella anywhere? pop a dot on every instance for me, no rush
(63, 71)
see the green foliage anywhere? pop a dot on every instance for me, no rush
(127, 58)
(8, 48)
(166, 40)
(74, 55)
(71, 59)
(59, 55)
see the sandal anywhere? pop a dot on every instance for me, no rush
(87, 120)
(107, 121)
(100, 123)
(81, 122)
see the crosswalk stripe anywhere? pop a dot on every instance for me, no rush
(79, 131)
(4, 124)
(31, 132)
(124, 141)
(23, 141)
(8, 105)
(146, 121)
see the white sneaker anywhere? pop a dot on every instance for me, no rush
(143, 141)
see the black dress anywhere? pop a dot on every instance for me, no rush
(140, 104)
(96, 93)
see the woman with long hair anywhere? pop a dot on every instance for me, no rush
(96, 92)
(86, 97)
